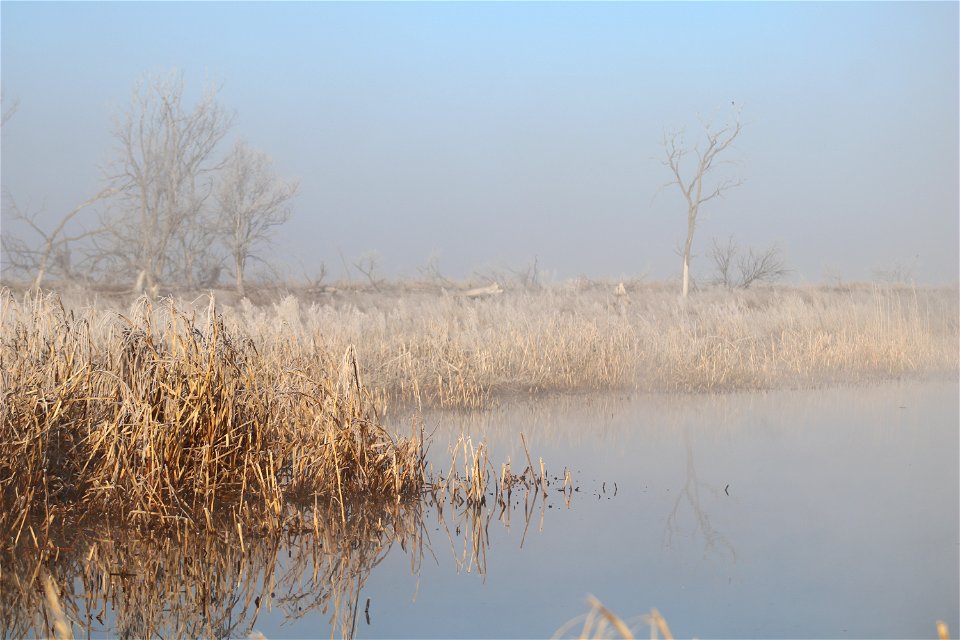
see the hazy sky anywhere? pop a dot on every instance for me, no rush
(491, 133)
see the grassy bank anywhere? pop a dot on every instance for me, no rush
(445, 350)
(430, 348)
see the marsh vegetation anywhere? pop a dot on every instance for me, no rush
(433, 346)
(160, 456)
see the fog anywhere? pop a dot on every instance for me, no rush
(491, 135)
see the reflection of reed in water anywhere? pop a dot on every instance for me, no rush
(472, 478)
(188, 583)
(132, 583)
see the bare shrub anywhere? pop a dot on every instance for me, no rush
(762, 265)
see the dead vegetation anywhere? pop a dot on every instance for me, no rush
(433, 350)
(154, 461)
(160, 418)
(311, 560)
(167, 413)
(427, 348)
(599, 622)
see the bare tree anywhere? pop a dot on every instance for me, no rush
(314, 279)
(763, 265)
(528, 276)
(369, 265)
(162, 173)
(431, 272)
(896, 273)
(695, 193)
(251, 200)
(54, 246)
(53, 251)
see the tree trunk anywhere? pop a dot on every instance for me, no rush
(42, 270)
(239, 268)
(146, 284)
(686, 274)
(39, 279)
(687, 247)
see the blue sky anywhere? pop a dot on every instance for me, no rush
(488, 134)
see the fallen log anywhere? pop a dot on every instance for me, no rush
(482, 292)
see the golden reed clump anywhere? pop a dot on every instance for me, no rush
(160, 417)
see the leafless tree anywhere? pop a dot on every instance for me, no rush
(162, 174)
(53, 251)
(528, 276)
(762, 265)
(896, 273)
(251, 201)
(315, 277)
(695, 192)
(723, 256)
(431, 272)
(195, 256)
(369, 265)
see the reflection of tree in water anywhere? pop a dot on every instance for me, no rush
(714, 541)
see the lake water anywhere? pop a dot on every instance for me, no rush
(816, 513)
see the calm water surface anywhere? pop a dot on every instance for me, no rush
(817, 513)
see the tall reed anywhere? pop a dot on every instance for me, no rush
(160, 417)
(447, 351)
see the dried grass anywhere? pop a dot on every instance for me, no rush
(200, 582)
(161, 419)
(445, 351)
(601, 623)
(430, 350)
(158, 459)
(235, 433)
